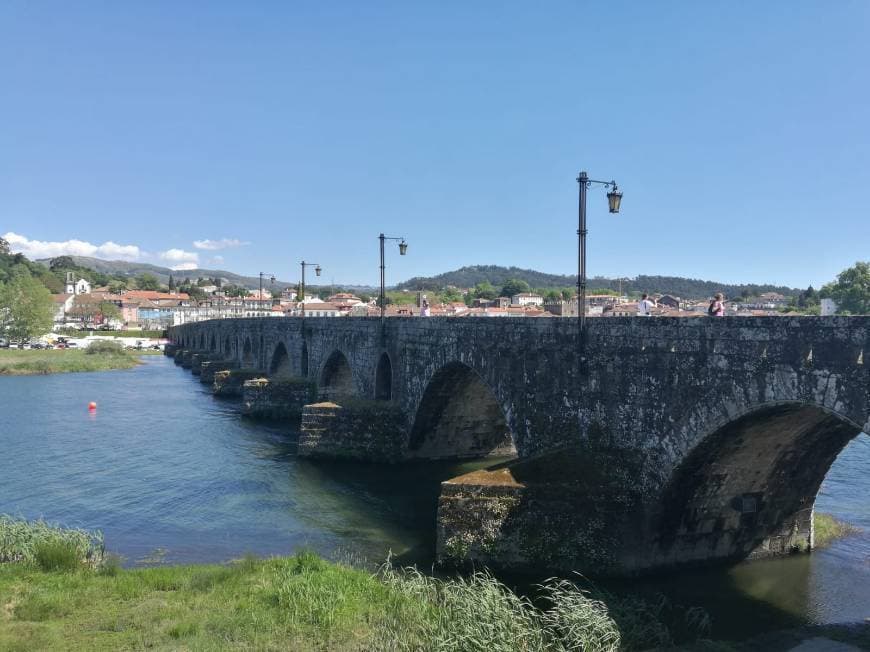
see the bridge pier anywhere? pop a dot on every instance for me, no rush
(231, 382)
(276, 398)
(570, 510)
(208, 368)
(353, 429)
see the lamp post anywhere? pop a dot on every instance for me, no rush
(317, 271)
(614, 197)
(403, 249)
(260, 295)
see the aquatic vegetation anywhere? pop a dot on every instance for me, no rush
(827, 528)
(47, 546)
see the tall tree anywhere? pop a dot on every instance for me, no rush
(147, 281)
(26, 308)
(4, 247)
(171, 283)
(851, 290)
(514, 286)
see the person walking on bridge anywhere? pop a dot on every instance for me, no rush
(645, 306)
(717, 306)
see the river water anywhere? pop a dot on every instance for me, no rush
(172, 475)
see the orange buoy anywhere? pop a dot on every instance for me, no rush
(92, 406)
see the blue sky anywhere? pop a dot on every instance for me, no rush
(271, 132)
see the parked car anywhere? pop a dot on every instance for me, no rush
(4, 343)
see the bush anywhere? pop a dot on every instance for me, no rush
(57, 555)
(48, 546)
(105, 347)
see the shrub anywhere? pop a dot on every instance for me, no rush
(105, 347)
(48, 546)
(56, 555)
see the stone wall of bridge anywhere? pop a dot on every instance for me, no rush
(728, 426)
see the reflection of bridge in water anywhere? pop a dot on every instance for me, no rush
(674, 441)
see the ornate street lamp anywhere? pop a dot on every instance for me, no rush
(614, 199)
(403, 249)
(317, 271)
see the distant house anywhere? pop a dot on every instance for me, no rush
(345, 298)
(527, 299)
(62, 305)
(669, 301)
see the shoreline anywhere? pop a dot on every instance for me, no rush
(15, 362)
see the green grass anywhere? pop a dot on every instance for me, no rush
(58, 590)
(304, 603)
(140, 335)
(827, 529)
(15, 362)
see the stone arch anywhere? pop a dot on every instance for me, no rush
(202, 341)
(228, 346)
(248, 353)
(384, 378)
(213, 344)
(279, 366)
(459, 416)
(336, 377)
(747, 489)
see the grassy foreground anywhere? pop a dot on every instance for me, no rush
(15, 362)
(59, 592)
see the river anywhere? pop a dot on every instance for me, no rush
(170, 474)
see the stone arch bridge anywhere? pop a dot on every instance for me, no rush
(650, 444)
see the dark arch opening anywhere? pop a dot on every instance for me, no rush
(384, 379)
(336, 380)
(261, 353)
(247, 353)
(213, 345)
(228, 346)
(748, 489)
(279, 367)
(303, 360)
(202, 341)
(459, 416)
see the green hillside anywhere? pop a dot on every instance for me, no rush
(687, 288)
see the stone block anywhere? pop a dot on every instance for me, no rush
(277, 398)
(356, 429)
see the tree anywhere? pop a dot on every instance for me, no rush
(116, 287)
(4, 247)
(171, 283)
(236, 291)
(514, 286)
(62, 263)
(485, 290)
(851, 290)
(147, 281)
(451, 294)
(567, 294)
(552, 295)
(26, 308)
(109, 311)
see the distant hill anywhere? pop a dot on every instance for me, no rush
(687, 288)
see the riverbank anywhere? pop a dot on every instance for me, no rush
(15, 362)
(304, 603)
